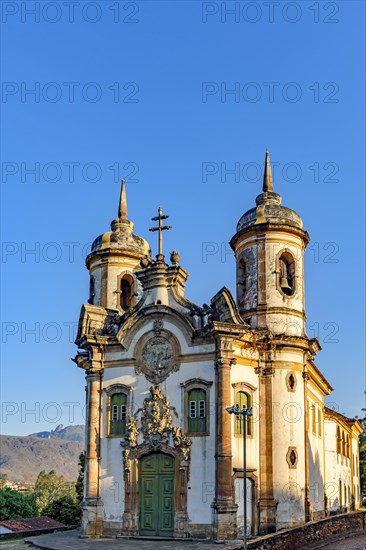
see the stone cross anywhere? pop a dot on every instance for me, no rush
(160, 228)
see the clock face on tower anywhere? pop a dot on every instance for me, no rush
(158, 354)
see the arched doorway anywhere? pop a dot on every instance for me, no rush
(156, 514)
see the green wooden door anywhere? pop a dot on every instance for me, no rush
(157, 495)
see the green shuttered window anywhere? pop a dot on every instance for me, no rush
(118, 414)
(243, 400)
(197, 421)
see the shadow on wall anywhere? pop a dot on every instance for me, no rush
(316, 483)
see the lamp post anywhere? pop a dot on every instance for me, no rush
(244, 412)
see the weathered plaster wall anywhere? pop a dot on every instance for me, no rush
(316, 453)
(251, 505)
(110, 272)
(338, 470)
(249, 300)
(288, 433)
(356, 471)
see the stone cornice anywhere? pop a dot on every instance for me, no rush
(107, 255)
(316, 376)
(260, 230)
(160, 274)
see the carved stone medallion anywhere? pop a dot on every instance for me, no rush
(158, 354)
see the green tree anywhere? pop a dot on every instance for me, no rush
(363, 456)
(57, 498)
(64, 509)
(79, 486)
(16, 505)
(50, 487)
(3, 481)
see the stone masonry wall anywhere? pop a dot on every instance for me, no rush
(302, 537)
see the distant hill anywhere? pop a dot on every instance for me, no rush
(71, 433)
(23, 457)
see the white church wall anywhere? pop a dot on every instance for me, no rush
(202, 463)
(111, 479)
(316, 450)
(338, 471)
(201, 485)
(251, 506)
(245, 374)
(111, 475)
(288, 434)
(316, 469)
(331, 465)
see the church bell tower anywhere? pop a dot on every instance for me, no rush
(114, 258)
(269, 247)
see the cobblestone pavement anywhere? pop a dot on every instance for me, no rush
(69, 540)
(354, 542)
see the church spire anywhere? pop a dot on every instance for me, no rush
(122, 208)
(267, 177)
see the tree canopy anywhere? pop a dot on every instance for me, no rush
(17, 505)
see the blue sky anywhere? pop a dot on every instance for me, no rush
(181, 98)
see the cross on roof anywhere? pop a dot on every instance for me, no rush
(160, 217)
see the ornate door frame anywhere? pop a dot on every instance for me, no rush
(158, 436)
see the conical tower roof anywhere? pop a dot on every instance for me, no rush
(268, 206)
(121, 238)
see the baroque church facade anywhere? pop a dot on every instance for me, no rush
(163, 457)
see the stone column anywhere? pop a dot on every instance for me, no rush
(224, 506)
(92, 507)
(267, 504)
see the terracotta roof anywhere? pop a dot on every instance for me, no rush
(331, 412)
(30, 524)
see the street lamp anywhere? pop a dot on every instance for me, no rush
(244, 412)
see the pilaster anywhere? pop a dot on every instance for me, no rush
(267, 503)
(224, 507)
(92, 506)
(308, 505)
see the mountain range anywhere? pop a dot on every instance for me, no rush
(23, 457)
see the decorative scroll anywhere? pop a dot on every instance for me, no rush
(156, 420)
(181, 440)
(156, 427)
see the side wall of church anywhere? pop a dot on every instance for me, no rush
(332, 480)
(288, 436)
(317, 478)
(338, 471)
(356, 471)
